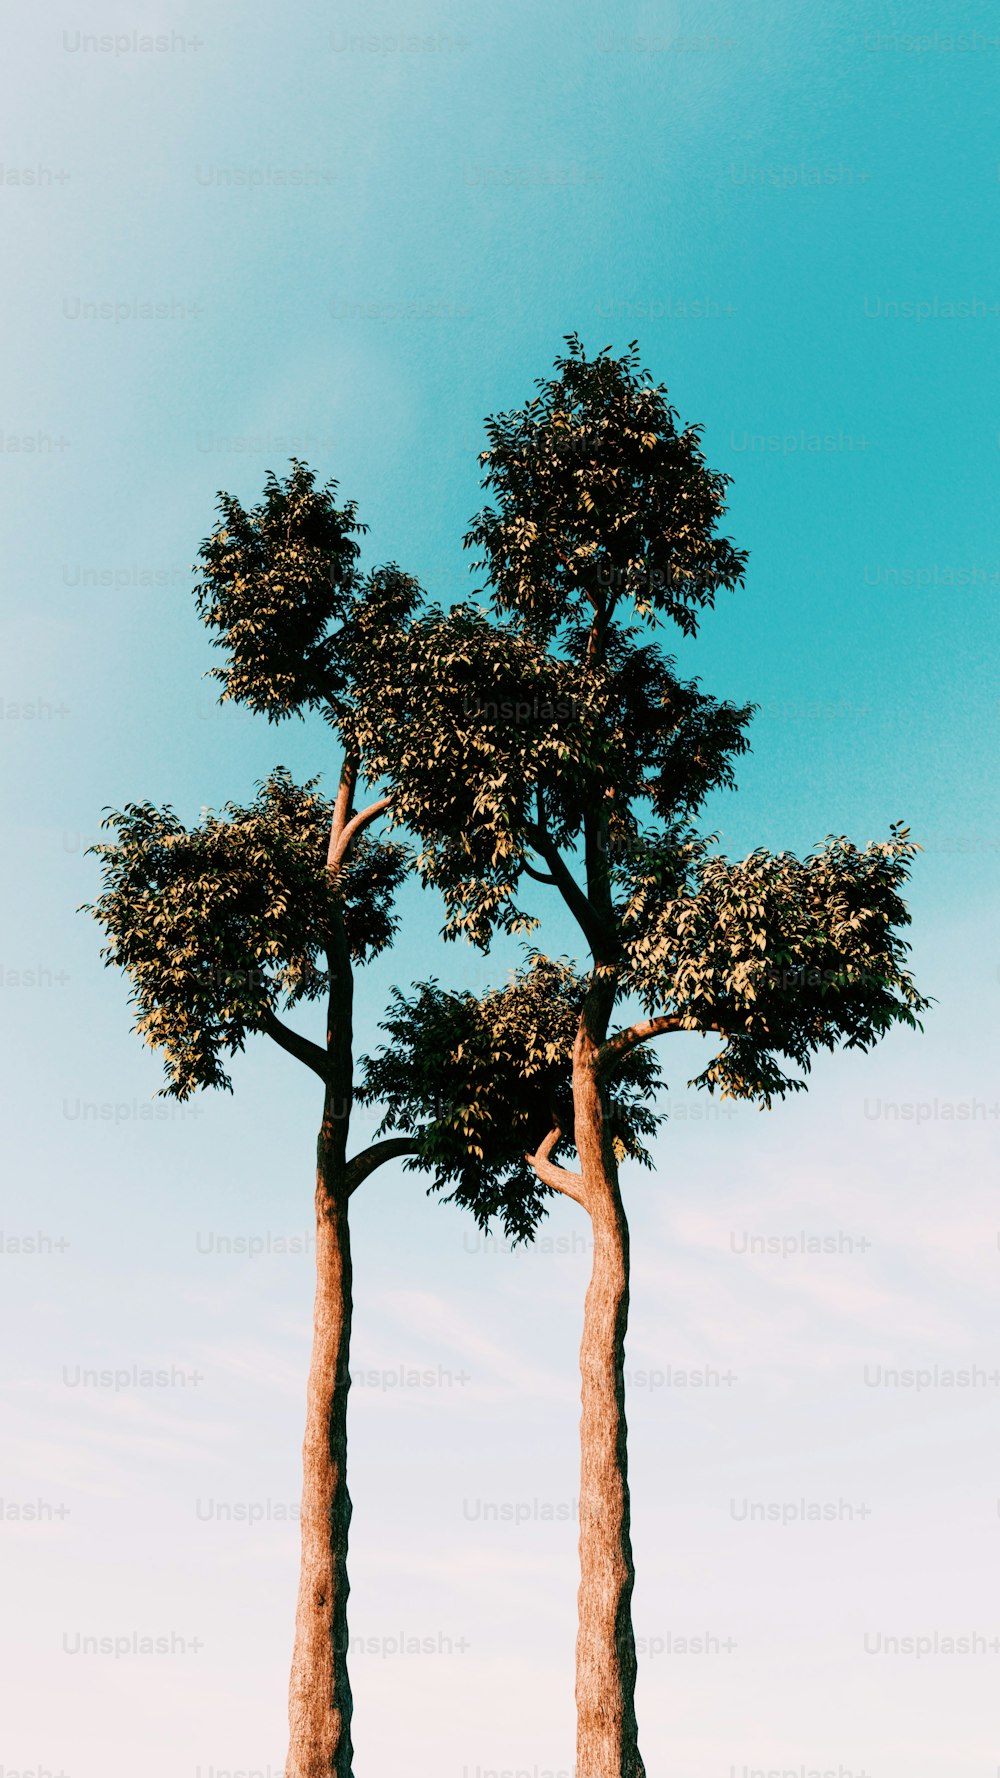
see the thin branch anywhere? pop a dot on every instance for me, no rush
(599, 934)
(354, 826)
(559, 1178)
(623, 1041)
(373, 1156)
(538, 875)
(548, 1148)
(302, 1048)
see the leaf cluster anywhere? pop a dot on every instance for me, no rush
(486, 1079)
(218, 925)
(273, 581)
(281, 589)
(783, 956)
(601, 496)
(487, 735)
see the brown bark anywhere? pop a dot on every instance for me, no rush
(607, 1743)
(319, 1693)
(607, 1733)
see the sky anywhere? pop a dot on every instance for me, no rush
(235, 235)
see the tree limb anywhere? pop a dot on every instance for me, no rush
(599, 935)
(359, 1167)
(302, 1048)
(559, 1178)
(623, 1041)
(341, 807)
(539, 876)
(338, 852)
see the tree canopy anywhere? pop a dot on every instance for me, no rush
(487, 1078)
(281, 589)
(601, 496)
(540, 735)
(221, 925)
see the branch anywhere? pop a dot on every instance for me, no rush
(369, 1158)
(345, 795)
(599, 935)
(338, 852)
(538, 875)
(559, 1178)
(302, 1048)
(623, 1041)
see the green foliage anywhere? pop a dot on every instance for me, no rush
(784, 956)
(477, 727)
(549, 713)
(545, 735)
(281, 587)
(547, 731)
(600, 498)
(273, 581)
(486, 1079)
(219, 925)
(463, 776)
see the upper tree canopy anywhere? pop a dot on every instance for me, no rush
(601, 498)
(281, 588)
(553, 720)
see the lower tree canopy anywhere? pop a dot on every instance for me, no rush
(219, 925)
(776, 955)
(485, 1080)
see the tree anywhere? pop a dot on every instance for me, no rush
(258, 909)
(548, 737)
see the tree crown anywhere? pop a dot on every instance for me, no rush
(281, 588)
(548, 730)
(601, 498)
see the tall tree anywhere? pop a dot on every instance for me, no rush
(548, 738)
(258, 909)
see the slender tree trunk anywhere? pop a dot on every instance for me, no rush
(607, 1733)
(319, 1694)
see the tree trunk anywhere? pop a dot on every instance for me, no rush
(607, 1733)
(319, 1694)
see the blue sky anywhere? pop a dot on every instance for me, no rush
(364, 232)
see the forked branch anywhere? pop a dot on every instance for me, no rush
(599, 934)
(560, 1179)
(339, 852)
(342, 805)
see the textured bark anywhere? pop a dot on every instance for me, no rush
(319, 1694)
(607, 1733)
